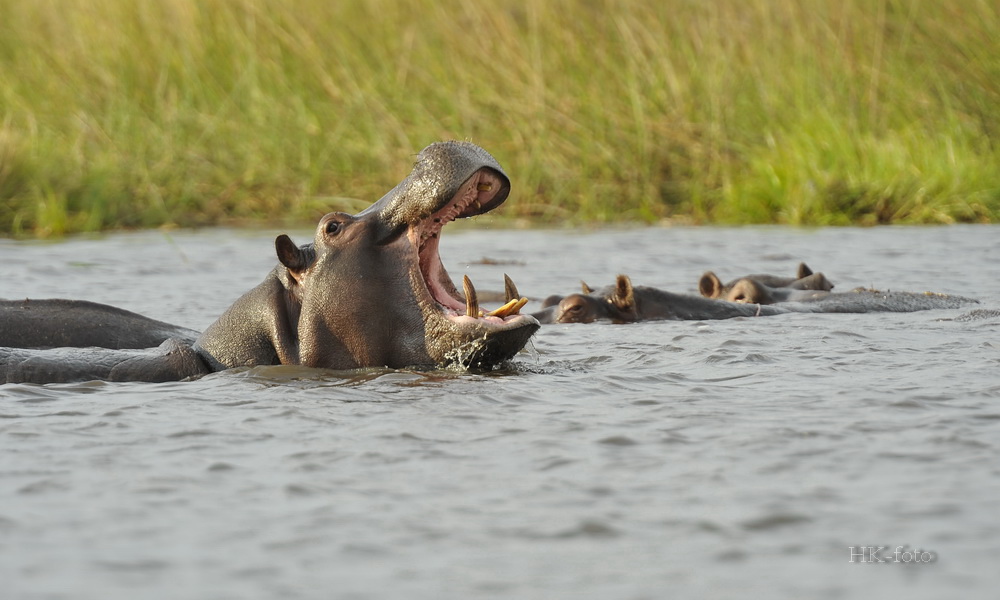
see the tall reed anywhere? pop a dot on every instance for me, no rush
(123, 113)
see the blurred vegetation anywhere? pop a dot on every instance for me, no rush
(126, 113)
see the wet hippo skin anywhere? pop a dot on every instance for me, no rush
(369, 290)
(54, 323)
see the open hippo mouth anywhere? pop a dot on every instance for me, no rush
(474, 338)
(449, 180)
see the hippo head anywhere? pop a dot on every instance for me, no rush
(371, 289)
(616, 303)
(752, 291)
(749, 291)
(711, 286)
(580, 308)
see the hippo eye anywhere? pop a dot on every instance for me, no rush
(332, 227)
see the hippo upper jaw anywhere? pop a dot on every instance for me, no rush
(440, 174)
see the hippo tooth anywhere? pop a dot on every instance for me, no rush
(509, 289)
(471, 300)
(484, 186)
(504, 310)
(511, 308)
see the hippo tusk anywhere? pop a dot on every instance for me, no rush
(512, 307)
(471, 300)
(484, 186)
(514, 300)
(509, 289)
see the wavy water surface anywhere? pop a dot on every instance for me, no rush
(738, 458)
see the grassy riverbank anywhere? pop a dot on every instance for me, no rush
(121, 113)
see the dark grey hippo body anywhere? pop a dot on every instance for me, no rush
(370, 290)
(864, 300)
(172, 360)
(623, 303)
(53, 323)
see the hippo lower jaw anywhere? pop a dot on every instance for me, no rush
(457, 332)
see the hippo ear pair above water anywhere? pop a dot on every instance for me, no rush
(761, 289)
(616, 303)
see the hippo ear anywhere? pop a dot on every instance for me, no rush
(586, 288)
(709, 285)
(624, 296)
(295, 259)
(804, 270)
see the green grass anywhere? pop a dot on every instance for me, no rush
(126, 114)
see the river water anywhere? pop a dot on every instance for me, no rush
(724, 459)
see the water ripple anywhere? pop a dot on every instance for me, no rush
(611, 461)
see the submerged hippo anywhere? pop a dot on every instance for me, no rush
(753, 291)
(711, 286)
(78, 323)
(370, 290)
(625, 303)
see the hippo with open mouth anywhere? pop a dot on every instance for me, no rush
(323, 306)
(370, 290)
